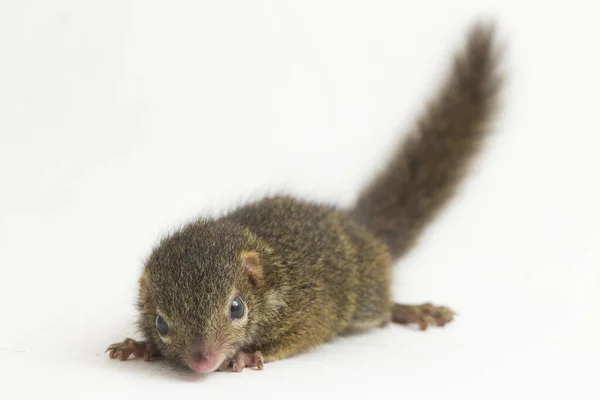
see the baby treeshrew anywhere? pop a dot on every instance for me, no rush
(280, 276)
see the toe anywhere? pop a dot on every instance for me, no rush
(123, 354)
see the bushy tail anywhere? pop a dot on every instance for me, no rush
(430, 164)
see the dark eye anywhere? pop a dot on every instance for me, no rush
(162, 326)
(236, 310)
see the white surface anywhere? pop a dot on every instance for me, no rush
(121, 119)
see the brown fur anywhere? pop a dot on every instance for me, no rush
(308, 272)
(427, 168)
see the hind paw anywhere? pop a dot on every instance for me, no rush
(424, 315)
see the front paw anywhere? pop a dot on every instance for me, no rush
(127, 347)
(242, 360)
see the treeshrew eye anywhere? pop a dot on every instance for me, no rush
(161, 326)
(236, 310)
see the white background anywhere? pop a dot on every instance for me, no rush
(122, 119)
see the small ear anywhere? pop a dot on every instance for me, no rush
(144, 297)
(251, 262)
(143, 284)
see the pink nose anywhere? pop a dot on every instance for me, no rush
(203, 362)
